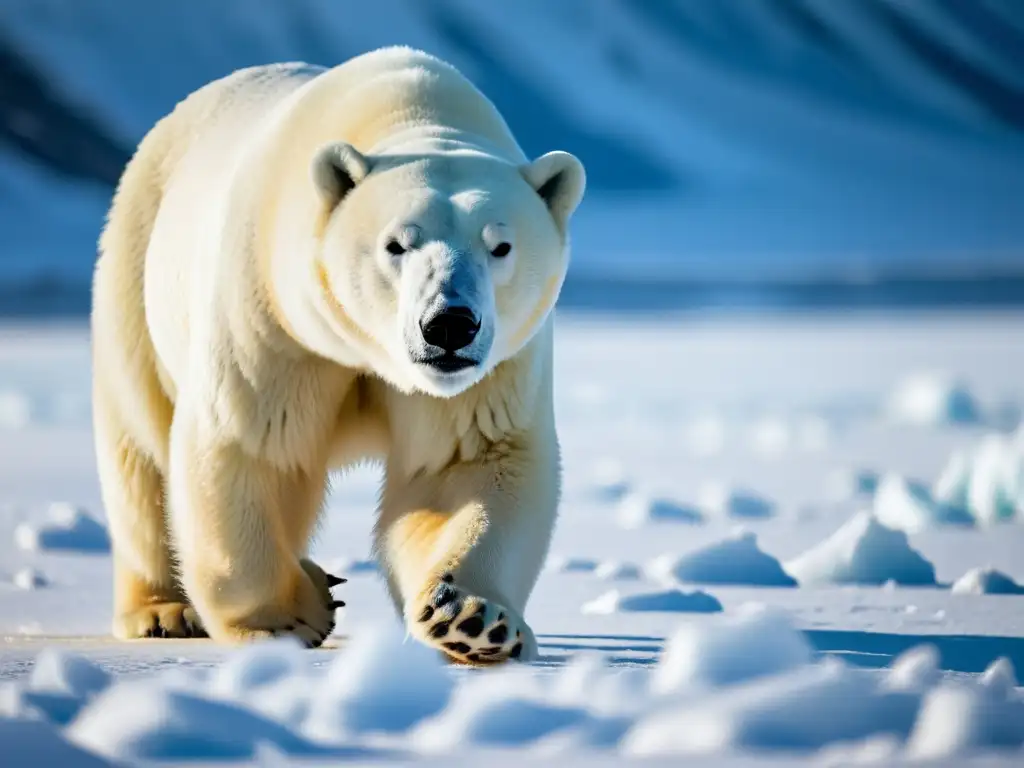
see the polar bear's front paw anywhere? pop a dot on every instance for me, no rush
(309, 618)
(469, 629)
(170, 619)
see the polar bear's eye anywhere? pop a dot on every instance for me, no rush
(395, 248)
(501, 250)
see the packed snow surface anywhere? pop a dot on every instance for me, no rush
(869, 657)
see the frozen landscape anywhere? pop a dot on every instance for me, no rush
(783, 540)
(786, 537)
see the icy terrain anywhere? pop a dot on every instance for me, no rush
(841, 620)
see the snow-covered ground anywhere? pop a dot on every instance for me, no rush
(763, 524)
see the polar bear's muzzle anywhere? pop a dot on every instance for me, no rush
(450, 330)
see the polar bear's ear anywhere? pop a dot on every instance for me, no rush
(559, 179)
(337, 168)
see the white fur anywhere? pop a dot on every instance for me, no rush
(252, 330)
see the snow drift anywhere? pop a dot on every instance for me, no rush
(747, 680)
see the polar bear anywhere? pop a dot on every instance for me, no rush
(304, 268)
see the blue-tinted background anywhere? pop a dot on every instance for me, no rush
(741, 153)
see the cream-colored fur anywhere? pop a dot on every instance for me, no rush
(253, 329)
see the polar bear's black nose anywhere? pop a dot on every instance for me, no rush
(451, 329)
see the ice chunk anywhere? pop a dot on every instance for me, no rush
(986, 581)
(666, 601)
(928, 399)
(568, 564)
(729, 649)
(37, 743)
(613, 570)
(138, 720)
(380, 682)
(720, 500)
(862, 551)
(907, 506)
(955, 720)
(503, 709)
(734, 560)
(29, 578)
(66, 528)
(636, 510)
(802, 709)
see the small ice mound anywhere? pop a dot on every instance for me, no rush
(61, 683)
(15, 410)
(29, 578)
(986, 581)
(849, 484)
(568, 564)
(607, 481)
(636, 510)
(916, 669)
(140, 720)
(270, 677)
(958, 720)
(803, 709)
(931, 399)
(720, 500)
(951, 486)
(499, 709)
(752, 642)
(379, 683)
(999, 679)
(989, 481)
(37, 743)
(67, 528)
(613, 570)
(908, 506)
(664, 601)
(735, 560)
(862, 551)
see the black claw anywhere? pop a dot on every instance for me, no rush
(447, 578)
(474, 657)
(335, 604)
(333, 581)
(516, 651)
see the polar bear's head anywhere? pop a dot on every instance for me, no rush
(439, 266)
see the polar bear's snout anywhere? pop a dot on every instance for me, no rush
(451, 329)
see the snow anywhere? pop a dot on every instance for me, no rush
(753, 642)
(986, 581)
(637, 509)
(863, 551)
(665, 601)
(733, 560)
(909, 506)
(65, 528)
(930, 399)
(987, 479)
(871, 668)
(719, 499)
